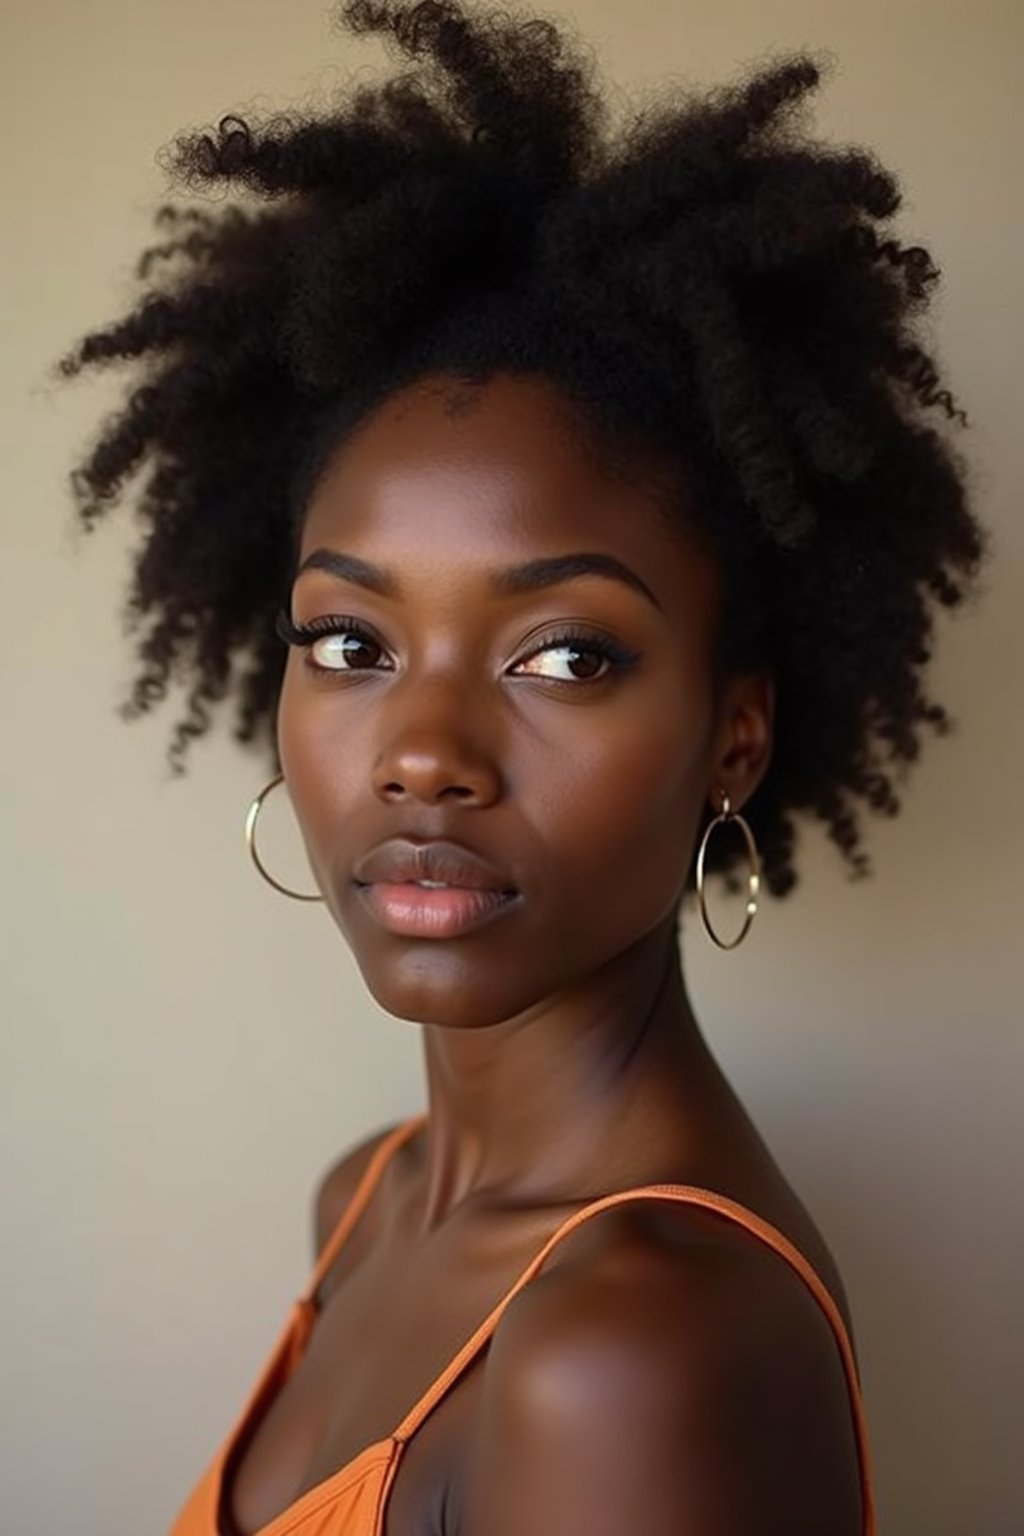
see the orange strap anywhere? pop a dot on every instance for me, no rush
(688, 1194)
(382, 1155)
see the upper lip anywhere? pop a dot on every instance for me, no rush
(399, 861)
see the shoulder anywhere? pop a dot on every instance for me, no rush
(668, 1368)
(336, 1185)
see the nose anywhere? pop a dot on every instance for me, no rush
(435, 752)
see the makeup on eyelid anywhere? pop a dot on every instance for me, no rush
(574, 636)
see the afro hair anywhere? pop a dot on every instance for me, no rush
(711, 289)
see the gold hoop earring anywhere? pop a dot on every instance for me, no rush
(753, 881)
(250, 839)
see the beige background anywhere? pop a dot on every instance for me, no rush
(183, 1051)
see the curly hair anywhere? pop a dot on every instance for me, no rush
(713, 292)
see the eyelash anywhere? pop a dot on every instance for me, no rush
(587, 643)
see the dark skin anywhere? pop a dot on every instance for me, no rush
(665, 1371)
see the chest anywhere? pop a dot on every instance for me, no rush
(387, 1328)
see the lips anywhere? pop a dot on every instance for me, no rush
(462, 892)
(440, 862)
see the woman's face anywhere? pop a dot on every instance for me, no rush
(574, 765)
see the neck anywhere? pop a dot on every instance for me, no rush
(580, 1091)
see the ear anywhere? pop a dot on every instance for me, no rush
(744, 737)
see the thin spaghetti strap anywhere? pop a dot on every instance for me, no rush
(382, 1155)
(722, 1206)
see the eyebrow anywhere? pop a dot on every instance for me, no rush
(548, 571)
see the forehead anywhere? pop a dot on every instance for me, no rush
(450, 475)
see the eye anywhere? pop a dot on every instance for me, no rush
(579, 657)
(345, 644)
(342, 644)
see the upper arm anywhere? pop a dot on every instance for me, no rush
(336, 1186)
(700, 1394)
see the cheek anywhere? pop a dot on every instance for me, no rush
(620, 818)
(322, 764)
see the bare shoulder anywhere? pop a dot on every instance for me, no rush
(694, 1379)
(337, 1184)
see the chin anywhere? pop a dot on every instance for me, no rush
(442, 990)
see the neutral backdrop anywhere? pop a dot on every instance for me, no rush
(184, 1051)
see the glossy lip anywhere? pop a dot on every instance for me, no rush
(414, 912)
(473, 892)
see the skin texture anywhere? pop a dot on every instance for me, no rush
(662, 1364)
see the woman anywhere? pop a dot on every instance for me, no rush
(595, 488)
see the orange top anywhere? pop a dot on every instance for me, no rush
(352, 1502)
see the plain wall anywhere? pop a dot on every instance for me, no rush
(184, 1051)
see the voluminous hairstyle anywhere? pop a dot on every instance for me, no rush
(720, 299)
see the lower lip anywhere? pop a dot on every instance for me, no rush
(416, 911)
